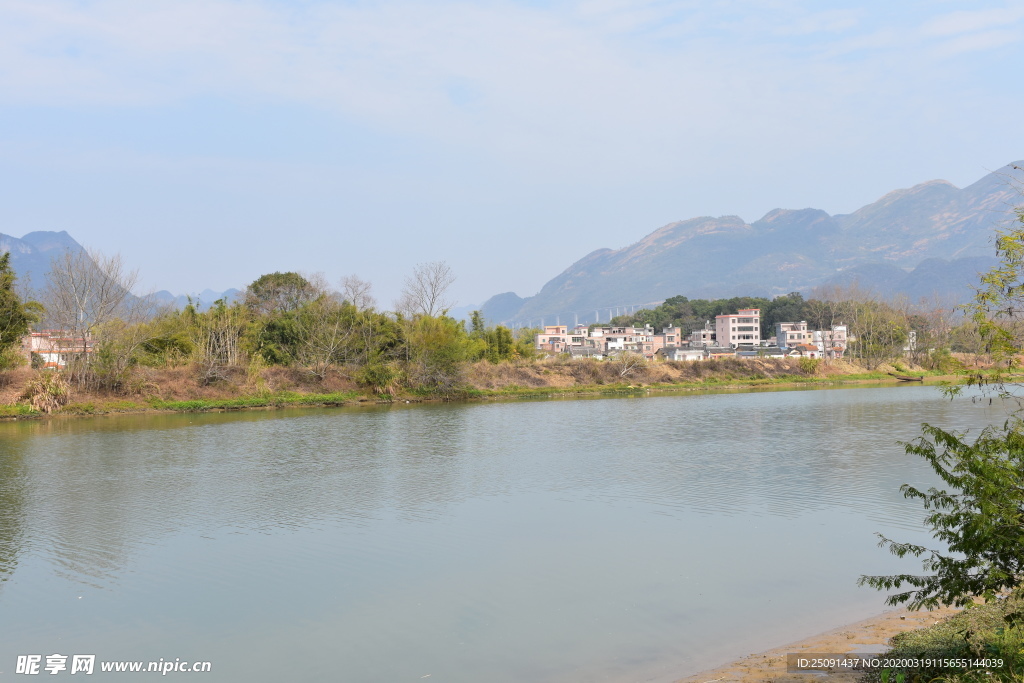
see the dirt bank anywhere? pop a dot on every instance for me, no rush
(863, 636)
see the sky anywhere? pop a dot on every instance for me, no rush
(212, 141)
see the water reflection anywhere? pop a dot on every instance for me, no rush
(12, 513)
(554, 540)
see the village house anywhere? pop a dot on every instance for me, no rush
(743, 327)
(681, 353)
(703, 337)
(602, 340)
(830, 343)
(54, 348)
(733, 335)
(791, 334)
(761, 352)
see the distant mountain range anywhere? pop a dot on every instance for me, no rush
(31, 254)
(928, 241)
(202, 300)
(30, 259)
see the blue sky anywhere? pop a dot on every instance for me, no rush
(211, 141)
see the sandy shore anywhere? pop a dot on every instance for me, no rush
(863, 636)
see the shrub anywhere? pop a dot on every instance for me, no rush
(47, 392)
(809, 366)
(383, 378)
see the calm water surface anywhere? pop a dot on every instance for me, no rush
(588, 540)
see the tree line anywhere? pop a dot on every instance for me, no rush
(283, 319)
(292, 320)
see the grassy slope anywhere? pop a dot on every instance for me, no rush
(178, 390)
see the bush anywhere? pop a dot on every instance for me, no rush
(10, 359)
(383, 378)
(809, 366)
(47, 392)
(942, 360)
(988, 631)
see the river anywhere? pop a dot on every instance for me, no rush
(616, 539)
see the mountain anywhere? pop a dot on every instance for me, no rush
(203, 300)
(31, 254)
(930, 240)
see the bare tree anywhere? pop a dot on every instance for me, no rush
(86, 289)
(88, 297)
(329, 334)
(216, 340)
(425, 291)
(628, 362)
(357, 292)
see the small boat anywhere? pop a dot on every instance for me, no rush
(907, 378)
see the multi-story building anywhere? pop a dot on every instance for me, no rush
(742, 327)
(703, 337)
(791, 334)
(830, 343)
(55, 347)
(554, 339)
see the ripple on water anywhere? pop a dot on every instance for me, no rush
(515, 541)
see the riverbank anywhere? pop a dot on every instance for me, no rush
(869, 635)
(177, 390)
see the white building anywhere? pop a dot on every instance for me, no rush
(742, 327)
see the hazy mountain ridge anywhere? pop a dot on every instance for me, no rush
(928, 240)
(202, 300)
(31, 255)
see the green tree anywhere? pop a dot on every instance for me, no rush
(279, 293)
(437, 349)
(980, 518)
(15, 315)
(782, 309)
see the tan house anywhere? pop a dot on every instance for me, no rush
(55, 347)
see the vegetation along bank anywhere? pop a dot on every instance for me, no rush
(294, 340)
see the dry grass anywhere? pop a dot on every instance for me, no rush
(566, 373)
(183, 383)
(190, 383)
(12, 383)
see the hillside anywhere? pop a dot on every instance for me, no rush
(928, 241)
(31, 254)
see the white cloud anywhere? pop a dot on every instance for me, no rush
(966, 21)
(573, 94)
(977, 42)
